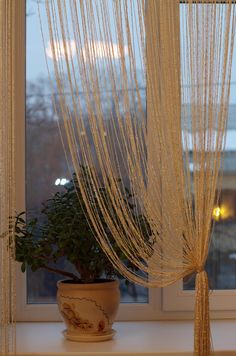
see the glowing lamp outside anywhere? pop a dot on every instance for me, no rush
(221, 212)
(61, 181)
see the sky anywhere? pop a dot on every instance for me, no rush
(35, 57)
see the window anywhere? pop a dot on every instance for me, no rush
(44, 165)
(46, 172)
(221, 263)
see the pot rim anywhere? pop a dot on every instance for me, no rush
(107, 284)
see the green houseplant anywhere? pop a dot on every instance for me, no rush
(63, 230)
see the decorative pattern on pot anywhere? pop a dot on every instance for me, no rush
(83, 315)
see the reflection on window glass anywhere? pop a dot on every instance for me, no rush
(46, 166)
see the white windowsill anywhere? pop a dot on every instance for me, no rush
(156, 338)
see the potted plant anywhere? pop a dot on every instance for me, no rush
(89, 298)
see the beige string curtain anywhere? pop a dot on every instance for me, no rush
(143, 88)
(7, 200)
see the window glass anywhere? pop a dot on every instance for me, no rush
(46, 166)
(46, 171)
(221, 263)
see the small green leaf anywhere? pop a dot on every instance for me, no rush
(23, 267)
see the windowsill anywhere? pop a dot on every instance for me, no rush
(154, 338)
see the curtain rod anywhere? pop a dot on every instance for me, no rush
(207, 2)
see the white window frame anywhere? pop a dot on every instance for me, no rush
(222, 302)
(171, 303)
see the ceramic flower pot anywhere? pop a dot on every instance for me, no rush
(88, 310)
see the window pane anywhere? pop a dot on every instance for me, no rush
(46, 166)
(221, 263)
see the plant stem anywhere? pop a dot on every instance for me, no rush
(63, 273)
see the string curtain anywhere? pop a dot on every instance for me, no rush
(148, 84)
(7, 193)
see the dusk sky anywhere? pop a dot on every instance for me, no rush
(36, 65)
